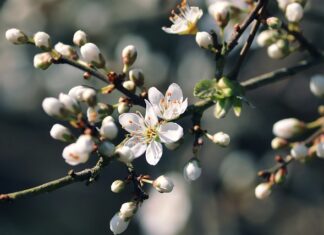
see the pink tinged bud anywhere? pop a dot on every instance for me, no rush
(299, 151)
(263, 190)
(204, 40)
(107, 149)
(65, 50)
(163, 184)
(288, 128)
(60, 132)
(91, 54)
(117, 224)
(53, 107)
(109, 130)
(125, 154)
(192, 170)
(129, 55)
(320, 150)
(317, 85)
(42, 60)
(117, 186)
(294, 12)
(16, 36)
(70, 103)
(42, 40)
(80, 38)
(128, 210)
(75, 155)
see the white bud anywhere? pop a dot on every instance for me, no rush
(220, 11)
(53, 107)
(16, 36)
(137, 76)
(85, 143)
(80, 38)
(267, 37)
(117, 224)
(66, 50)
(42, 60)
(130, 86)
(278, 143)
(317, 85)
(76, 92)
(274, 22)
(60, 132)
(283, 4)
(125, 154)
(91, 54)
(70, 103)
(220, 138)
(299, 151)
(204, 40)
(320, 150)
(107, 120)
(42, 40)
(109, 130)
(276, 52)
(288, 128)
(294, 12)
(129, 55)
(107, 149)
(263, 190)
(74, 155)
(89, 96)
(127, 210)
(117, 186)
(123, 108)
(163, 184)
(192, 170)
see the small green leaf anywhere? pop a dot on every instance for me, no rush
(222, 107)
(237, 107)
(205, 89)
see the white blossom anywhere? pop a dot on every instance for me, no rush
(317, 85)
(294, 12)
(192, 170)
(108, 129)
(288, 128)
(42, 60)
(53, 107)
(169, 106)
(163, 184)
(91, 54)
(148, 133)
(16, 36)
(85, 143)
(42, 40)
(204, 40)
(60, 132)
(75, 155)
(320, 150)
(263, 190)
(186, 21)
(80, 38)
(117, 224)
(299, 151)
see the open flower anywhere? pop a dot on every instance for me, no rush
(148, 133)
(185, 22)
(169, 106)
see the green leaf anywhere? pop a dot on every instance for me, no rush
(205, 89)
(222, 107)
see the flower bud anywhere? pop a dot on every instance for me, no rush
(129, 55)
(263, 190)
(42, 40)
(107, 149)
(125, 154)
(42, 60)
(320, 150)
(80, 38)
(76, 92)
(283, 4)
(107, 120)
(60, 132)
(130, 86)
(91, 54)
(278, 50)
(278, 143)
(267, 37)
(117, 186)
(280, 176)
(65, 50)
(137, 76)
(299, 151)
(123, 108)
(163, 184)
(89, 96)
(117, 224)
(54, 108)
(220, 11)
(294, 12)
(288, 128)
(98, 112)
(220, 138)
(317, 85)
(85, 143)
(75, 155)
(70, 103)
(204, 40)
(109, 130)
(192, 170)
(16, 36)
(128, 210)
(274, 22)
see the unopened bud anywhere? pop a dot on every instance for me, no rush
(299, 151)
(294, 12)
(42, 60)
(130, 86)
(267, 37)
(220, 11)
(123, 108)
(278, 143)
(125, 154)
(192, 170)
(117, 186)
(283, 4)
(220, 138)
(16, 36)
(108, 130)
(129, 55)
(98, 112)
(278, 50)
(54, 108)
(317, 85)
(274, 22)
(163, 184)
(263, 190)
(320, 150)
(66, 50)
(137, 76)
(80, 38)
(107, 149)
(60, 132)
(42, 40)
(280, 176)
(204, 40)
(128, 210)
(70, 103)
(89, 96)
(91, 54)
(118, 225)
(288, 128)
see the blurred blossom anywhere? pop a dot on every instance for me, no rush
(238, 171)
(166, 214)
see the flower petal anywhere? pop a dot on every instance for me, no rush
(150, 116)
(137, 146)
(174, 92)
(184, 106)
(156, 98)
(170, 132)
(132, 122)
(153, 152)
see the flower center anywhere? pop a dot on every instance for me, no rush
(150, 133)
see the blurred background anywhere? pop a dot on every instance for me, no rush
(222, 200)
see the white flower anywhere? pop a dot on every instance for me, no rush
(192, 170)
(42, 40)
(65, 50)
(299, 151)
(106, 148)
(320, 150)
(288, 128)
(263, 190)
(163, 184)
(91, 54)
(60, 132)
(220, 138)
(53, 107)
(294, 12)
(147, 133)
(75, 155)
(186, 21)
(70, 103)
(169, 106)
(42, 60)
(127, 210)
(117, 186)
(317, 85)
(80, 38)
(108, 128)
(125, 154)
(204, 40)
(220, 11)
(16, 36)
(117, 224)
